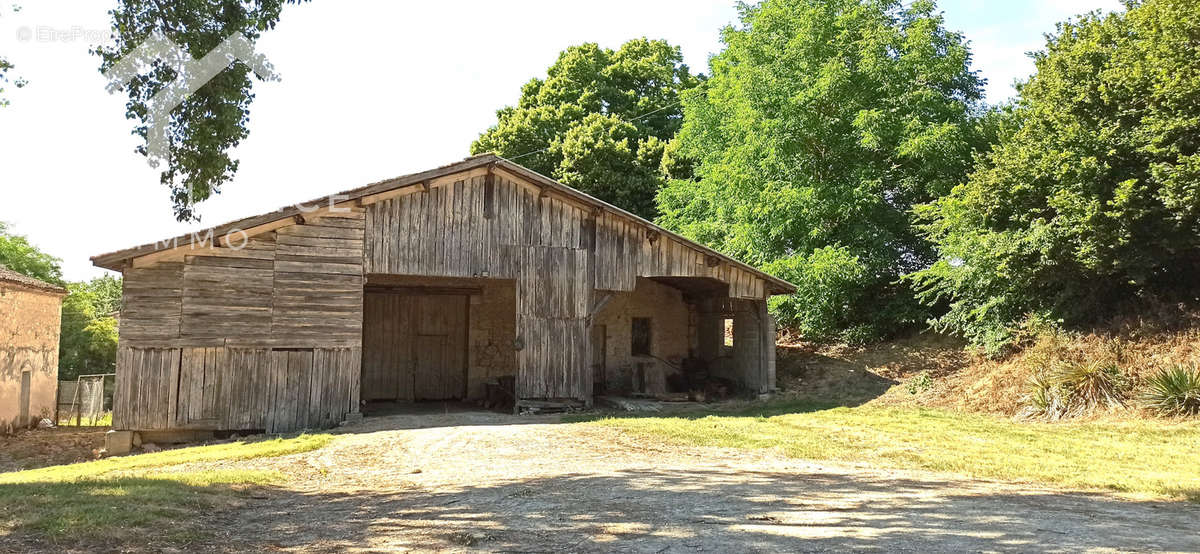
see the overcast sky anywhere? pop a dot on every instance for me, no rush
(370, 90)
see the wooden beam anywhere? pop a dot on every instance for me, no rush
(423, 186)
(235, 237)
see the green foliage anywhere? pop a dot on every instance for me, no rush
(19, 255)
(921, 383)
(88, 343)
(5, 67)
(1174, 391)
(599, 121)
(1092, 385)
(1090, 202)
(212, 121)
(822, 123)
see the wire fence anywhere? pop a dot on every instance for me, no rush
(86, 401)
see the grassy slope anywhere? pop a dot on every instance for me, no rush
(117, 498)
(1148, 457)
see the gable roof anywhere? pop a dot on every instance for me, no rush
(9, 276)
(116, 260)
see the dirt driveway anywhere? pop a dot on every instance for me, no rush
(482, 481)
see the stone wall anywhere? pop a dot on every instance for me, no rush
(670, 331)
(29, 329)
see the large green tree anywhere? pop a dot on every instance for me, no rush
(1093, 201)
(822, 123)
(208, 123)
(598, 121)
(88, 343)
(21, 256)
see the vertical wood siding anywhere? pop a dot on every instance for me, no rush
(270, 336)
(235, 388)
(559, 253)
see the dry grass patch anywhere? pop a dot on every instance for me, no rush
(134, 497)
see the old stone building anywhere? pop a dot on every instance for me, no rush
(30, 319)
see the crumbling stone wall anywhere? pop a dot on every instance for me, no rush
(29, 328)
(669, 337)
(491, 335)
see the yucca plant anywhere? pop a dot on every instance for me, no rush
(1045, 397)
(1174, 391)
(1092, 384)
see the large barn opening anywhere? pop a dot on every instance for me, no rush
(428, 339)
(679, 337)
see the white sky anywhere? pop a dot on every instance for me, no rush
(370, 90)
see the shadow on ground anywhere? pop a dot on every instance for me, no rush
(714, 510)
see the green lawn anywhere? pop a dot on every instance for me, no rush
(1151, 457)
(131, 496)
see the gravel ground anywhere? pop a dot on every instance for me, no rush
(490, 482)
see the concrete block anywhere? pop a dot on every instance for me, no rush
(118, 443)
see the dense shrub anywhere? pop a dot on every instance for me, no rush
(1091, 200)
(1174, 391)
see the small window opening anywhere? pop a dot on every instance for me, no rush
(728, 331)
(641, 336)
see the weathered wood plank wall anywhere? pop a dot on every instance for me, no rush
(267, 336)
(559, 251)
(239, 338)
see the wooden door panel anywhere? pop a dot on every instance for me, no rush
(441, 346)
(387, 347)
(414, 346)
(431, 367)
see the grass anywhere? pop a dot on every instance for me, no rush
(124, 497)
(105, 420)
(1144, 457)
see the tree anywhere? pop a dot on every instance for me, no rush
(19, 255)
(822, 124)
(1092, 202)
(88, 342)
(598, 121)
(213, 120)
(5, 67)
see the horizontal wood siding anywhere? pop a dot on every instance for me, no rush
(318, 282)
(151, 304)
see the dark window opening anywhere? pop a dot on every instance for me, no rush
(641, 336)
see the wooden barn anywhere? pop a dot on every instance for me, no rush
(455, 283)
